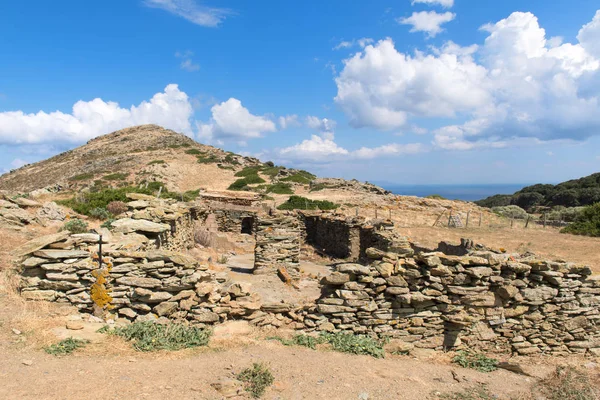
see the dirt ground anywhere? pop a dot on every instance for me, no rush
(109, 368)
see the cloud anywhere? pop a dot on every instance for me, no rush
(186, 61)
(443, 3)
(192, 11)
(320, 149)
(89, 119)
(517, 84)
(429, 22)
(288, 121)
(325, 126)
(231, 120)
(362, 42)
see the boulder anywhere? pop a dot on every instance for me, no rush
(40, 243)
(51, 211)
(336, 278)
(128, 225)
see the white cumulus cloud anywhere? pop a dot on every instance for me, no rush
(187, 64)
(429, 22)
(288, 121)
(89, 119)
(517, 84)
(192, 11)
(231, 120)
(324, 125)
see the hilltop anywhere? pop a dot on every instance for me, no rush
(150, 154)
(573, 193)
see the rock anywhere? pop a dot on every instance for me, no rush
(374, 254)
(385, 269)
(396, 281)
(480, 272)
(276, 307)
(512, 367)
(88, 238)
(138, 204)
(149, 296)
(127, 312)
(356, 269)
(15, 216)
(74, 325)
(28, 363)
(507, 292)
(128, 225)
(166, 308)
(335, 278)
(140, 196)
(539, 295)
(16, 331)
(205, 316)
(139, 282)
(33, 262)
(40, 243)
(25, 202)
(61, 254)
(47, 295)
(52, 212)
(396, 346)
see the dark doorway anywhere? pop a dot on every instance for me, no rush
(247, 224)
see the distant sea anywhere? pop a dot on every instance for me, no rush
(453, 192)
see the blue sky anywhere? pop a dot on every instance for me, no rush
(429, 91)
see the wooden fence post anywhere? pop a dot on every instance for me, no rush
(449, 218)
(468, 215)
(480, 218)
(357, 211)
(390, 214)
(439, 217)
(527, 223)
(512, 221)
(375, 213)
(544, 220)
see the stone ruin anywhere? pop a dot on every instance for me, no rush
(387, 287)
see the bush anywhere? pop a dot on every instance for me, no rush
(116, 207)
(75, 225)
(210, 159)
(86, 202)
(149, 336)
(66, 346)
(279, 188)
(242, 184)
(100, 213)
(477, 361)
(108, 224)
(299, 178)
(302, 203)
(193, 152)
(248, 171)
(355, 344)
(257, 379)
(587, 222)
(81, 177)
(511, 212)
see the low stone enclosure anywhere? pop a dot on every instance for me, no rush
(483, 299)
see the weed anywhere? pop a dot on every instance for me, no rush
(223, 259)
(66, 346)
(477, 361)
(300, 177)
(75, 225)
(301, 340)
(116, 207)
(108, 224)
(355, 344)
(148, 336)
(257, 379)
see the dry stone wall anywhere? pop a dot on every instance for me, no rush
(277, 244)
(483, 300)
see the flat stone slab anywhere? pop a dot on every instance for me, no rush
(128, 225)
(58, 254)
(40, 243)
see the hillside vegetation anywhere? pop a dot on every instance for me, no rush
(577, 192)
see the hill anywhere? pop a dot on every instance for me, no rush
(577, 192)
(151, 155)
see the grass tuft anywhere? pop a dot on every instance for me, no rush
(150, 336)
(66, 346)
(257, 379)
(477, 361)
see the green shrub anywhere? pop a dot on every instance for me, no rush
(86, 202)
(587, 222)
(75, 225)
(478, 361)
(355, 344)
(66, 346)
(81, 177)
(279, 188)
(108, 224)
(302, 203)
(257, 379)
(301, 340)
(115, 177)
(210, 159)
(511, 212)
(242, 184)
(230, 159)
(300, 177)
(100, 213)
(156, 162)
(318, 187)
(193, 152)
(248, 171)
(149, 336)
